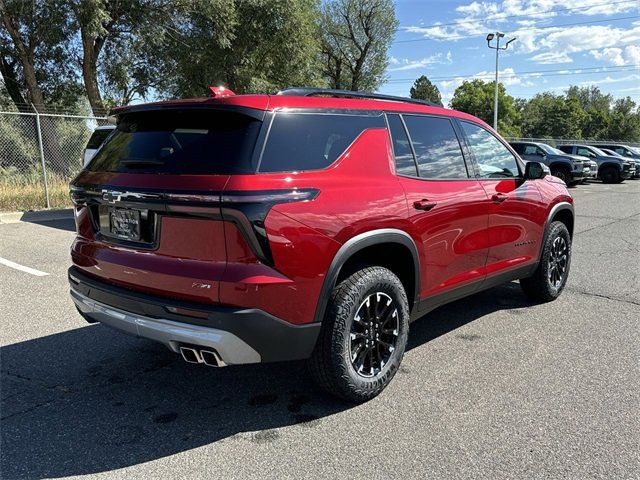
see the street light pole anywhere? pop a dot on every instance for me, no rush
(495, 93)
(497, 48)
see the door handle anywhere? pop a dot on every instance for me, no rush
(424, 204)
(498, 197)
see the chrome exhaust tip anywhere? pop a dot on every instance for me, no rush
(211, 358)
(191, 355)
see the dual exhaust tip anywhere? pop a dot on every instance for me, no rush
(208, 357)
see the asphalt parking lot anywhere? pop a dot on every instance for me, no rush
(491, 386)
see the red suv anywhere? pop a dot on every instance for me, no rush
(308, 224)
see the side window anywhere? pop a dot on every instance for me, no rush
(621, 151)
(310, 141)
(437, 148)
(519, 148)
(405, 163)
(98, 137)
(585, 152)
(493, 158)
(531, 150)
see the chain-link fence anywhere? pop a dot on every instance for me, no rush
(39, 155)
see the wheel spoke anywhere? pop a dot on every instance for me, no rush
(373, 334)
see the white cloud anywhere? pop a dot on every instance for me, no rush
(406, 64)
(630, 55)
(394, 61)
(479, 17)
(506, 77)
(552, 57)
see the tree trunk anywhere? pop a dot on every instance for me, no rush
(8, 71)
(26, 58)
(91, 47)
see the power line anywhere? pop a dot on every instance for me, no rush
(532, 14)
(460, 37)
(530, 73)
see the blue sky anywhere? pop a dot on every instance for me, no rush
(559, 43)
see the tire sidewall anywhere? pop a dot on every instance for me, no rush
(391, 286)
(562, 173)
(556, 229)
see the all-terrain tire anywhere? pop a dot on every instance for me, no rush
(610, 175)
(544, 285)
(331, 362)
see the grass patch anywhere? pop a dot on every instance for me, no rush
(25, 191)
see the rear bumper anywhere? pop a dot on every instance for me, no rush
(238, 336)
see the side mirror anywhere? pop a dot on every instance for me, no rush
(535, 171)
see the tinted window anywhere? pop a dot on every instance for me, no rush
(518, 147)
(493, 158)
(180, 142)
(405, 164)
(438, 151)
(584, 152)
(307, 141)
(531, 150)
(565, 148)
(98, 137)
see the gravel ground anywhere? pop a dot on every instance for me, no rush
(491, 386)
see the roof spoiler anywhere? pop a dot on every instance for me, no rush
(221, 91)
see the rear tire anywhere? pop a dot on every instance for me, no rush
(610, 175)
(549, 279)
(363, 335)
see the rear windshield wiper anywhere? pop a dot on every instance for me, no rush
(141, 162)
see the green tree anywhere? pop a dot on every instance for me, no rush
(590, 98)
(423, 89)
(35, 53)
(549, 115)
(247, 45)
(625, 121)
(356, 36)
(476, 97)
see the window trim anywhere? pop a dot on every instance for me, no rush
(463, 152)
(393, 149)
(516, 157)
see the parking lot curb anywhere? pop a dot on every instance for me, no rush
(36, 216)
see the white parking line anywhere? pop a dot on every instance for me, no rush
(22, 268)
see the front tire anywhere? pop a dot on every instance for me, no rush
(549, 279)
(562, 173)
(363, 335)
(610, 175)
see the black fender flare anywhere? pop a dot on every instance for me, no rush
(558, 207)
(560, 164)
(616, 165)
(357, 243)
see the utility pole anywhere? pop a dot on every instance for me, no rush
(497, 48)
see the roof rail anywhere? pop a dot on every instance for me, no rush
(328, 92)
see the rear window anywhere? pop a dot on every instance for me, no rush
(310, 141)
(180, 142)
(98, 137)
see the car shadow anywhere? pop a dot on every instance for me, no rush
(66, 224)
(93, 400)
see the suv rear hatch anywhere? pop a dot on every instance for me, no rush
(148, 204)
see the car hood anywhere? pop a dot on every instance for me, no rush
(566, 156)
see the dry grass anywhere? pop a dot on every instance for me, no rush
(27, 193)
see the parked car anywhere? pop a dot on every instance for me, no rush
(610, 169)
(571, 169)
(311, 224)
(630, 159)
(97, 138)
(624, 150)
